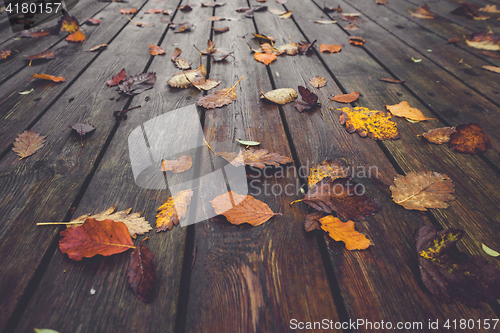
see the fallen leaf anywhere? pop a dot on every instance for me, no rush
(328, 168)
(248, 143)
(47, 77)
(82, 129)
(173, 210)
(280, 96)
(95, 237)
(286, 15)
(330, 9)
(309, 100)
(332, 48)
(265, 58)
(27, 143)
(326, 22)
(484, 40)
(156, 50)
(277, 11)
(179, 62)
(489, 9)
(221, 54)
(318, 82)
(219, 98)
(269, 39)
(450, 274)
(93, 21)
(4, 54)
(44, 55)
(255, 158)
(69, 23)
(422, 190)
(403, 109)
(381, 2)
(352, 17)
(182, 27)
(26, 92)
(439, 135)
(249, 12)
(357, 41)
(312, 221)
(158, 11)
(469, 11)
(137, 84)
(375, 124)
(186, 8)
(239, 209)
(141, 24)
(98, 47)
(186, 79)
(220, 30)
(351, 26)
(242, 9)
(491, 54)
(117, 78)
(492, 69)
(344, 232)
(391, 80)
(76, 37)
(289, 49)
(470, 139)
(422, 13)
(179, 165)
(215, 18)
(489, 251)
(128, 11)
(453, 40)
(304, 47)
(141, 272)
(346, 98)
(34, 34)
(416, 60)
(212, 4)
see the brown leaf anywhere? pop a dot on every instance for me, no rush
(404, 109)
(158, 11)
(351, 26)
(381, 2)
(95, 237)
(186, 8)
(27, 143)
(97, 47)
(179, 165)
(34, 34)
(76, 37)
(357, 41)
(215, 18)
(289, 49)
(69, 23)
(141, 272)
(439, 135)
(491, 54)
(453, 40)
(47, 77)
(489, 9)
(4, 54)
(280, 96)
(484, 40)
(312, 221)
(470, 139)
(332, 48)
(318, 82)
(156, 50)
(173, 210)
(186, 79)
(309, 100)
(469, 11)
(128, 11)
(422, 13)
(346, 98)
(422, 190)
(137, 84)
(44, 55)
(220, 30)
(213, 4)
(182, 27)
(93, 21)
(304, 47)
(219, 98)
(269, 39)
(344, 232)
(239, 209)
(286, 15)
(391, 80)
(255, 158)
(492, 69)
(117, 78)
(328, 168)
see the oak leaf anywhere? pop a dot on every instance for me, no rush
(128, 11)
(95, 237)
(82, 129)
(345, 232)
(492, 69)
(484, 40)
(470, 139)
(255, 158)
(318, 82)
(280, 96)
(156, 50)
(219, 98)
(404, 109)
(346, 98)
(312, 221)
(179, 165)
(137, 84)
(76, 37)
(186, 79)
(239, 209)
(331, 48)
(27, 143)
(44, 55)
(173, 210)
(47, 77)
(309, 100)
(422, 13)
(375, 124)
(97, 47)
(141, 272)
(122, 75)
(328, 168)
(439, 135)
(422, 190)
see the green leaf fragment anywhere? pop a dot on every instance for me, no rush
(44, 330)
(416, 60)
(248, 143)
(489, 251)
(26, 92)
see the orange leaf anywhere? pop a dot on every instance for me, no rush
(439, 135)
(344, 232)
(332, 48)
(265, 58)
(95, 237)
(346, 98)
(76, 37)
(27, 143)
(404, 109)
(219, 97)
(44, 55)
(179, 165)
(69, 23)
(128, 10)
(255, 158)
(470, 139)
(357, 41)
(47, 77)
(173, 210)
(484, 40)
(156, 50)
(117, 78)
(375, 124)
(240, 209)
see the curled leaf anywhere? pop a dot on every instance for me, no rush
(489, 251)
(122, 75)
(280, 96)
(47, 77)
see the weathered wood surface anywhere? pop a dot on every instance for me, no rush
(214, 276)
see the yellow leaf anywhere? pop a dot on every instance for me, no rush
(345, 232)
(375, 124)
(404, 109)
(173, 210)
(333, 169)
(280, 96)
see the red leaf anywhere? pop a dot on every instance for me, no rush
(117, 78)
(141, 272)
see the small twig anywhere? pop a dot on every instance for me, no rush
(209, 146)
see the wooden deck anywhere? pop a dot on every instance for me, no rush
(213, 276)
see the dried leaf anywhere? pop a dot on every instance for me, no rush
(27, 143)
(277, 11)
(269, 39)
(489, 9)
(351, 26)
(312, 221)
(186, 79)
(179, 165)
(137, 84)
(93, 21)
(422, 13)
(470, 139)
(47, 77)
(255, 158)
(404, 109)
(212, 4)
(26, 92)
(391, 80)
(248, 143)
(356, 41)
(381, 2)
(280, 96)
(318, 82)
(286, 15)
(491, 54)
(95, 237)
(422, 190)
(117, 78)
(469, 11)
(141, 272)
(97, 47)
(484, 40)
(328, 168)
(158, 11)
(289, 49)
(220, 30)
(215, 18)
(82, 129)
(375, 124)
(186, 8)
(345, 232)
(44, 55)
(34, 34)
(128, 11)
(439, 135)
(173, 210)
(219, 98)
(492, 69)
(156, 50)
(489, 251)
(346, 98)
(326, 22)
(265, 58)
(304, 47)
(453, 40)
(239, 209)
(331, 48)
(76, 37)
(141, 24)
(182, 27)
(69, 23)
(309, 100)
(4, 54)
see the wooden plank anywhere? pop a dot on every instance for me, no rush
(44, 186)
(252, 279)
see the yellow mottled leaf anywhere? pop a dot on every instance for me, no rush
(366, 122)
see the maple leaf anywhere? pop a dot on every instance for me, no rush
(391, 80)
(173, 210)
(82, 129)
(43, 55)
(403, 109)
(345, 232)
(492, 69)
(186, 79)
(312, 221)
(422, 13)
(318, 82)
(346, 98)
(470, 139)
(68, 23)
(128, 11)
(484, 40)
(309, 100)
(179, 165)
(239, 209)
(280, 96)
(219, 98)
(340, 196)
(76, 37)
(47, 77)
(137, 84)
(95, 237)
(34, 34)
(93, 21)
(27, 143)
(356, 41)
(328, 168)
(141, 272)
(375, 124)
(450, 274)
(156, 50)
(439, 135)
(331, 48)
(122, 75)
(220, 30)
(255, 158)
(422, 190)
